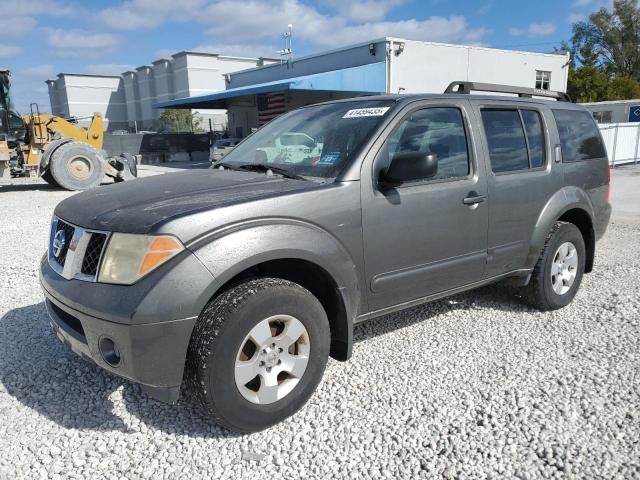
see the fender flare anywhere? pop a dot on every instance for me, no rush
(50, 150)
(568, 198)
(238, 248)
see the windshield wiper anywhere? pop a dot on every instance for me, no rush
(263, 167)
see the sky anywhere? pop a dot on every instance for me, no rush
(41, 38)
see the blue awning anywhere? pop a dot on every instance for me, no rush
(368, 78)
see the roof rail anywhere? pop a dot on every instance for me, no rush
(468, 87)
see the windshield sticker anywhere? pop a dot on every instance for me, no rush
(366, 112)
(329, 159)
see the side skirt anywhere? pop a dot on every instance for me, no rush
(437, 296)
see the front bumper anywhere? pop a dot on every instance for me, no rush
(151, 353)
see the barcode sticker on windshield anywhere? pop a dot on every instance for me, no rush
(366, 112)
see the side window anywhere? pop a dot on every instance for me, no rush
(535, 137)
(438, 130)
(506, 140)
(579, 136)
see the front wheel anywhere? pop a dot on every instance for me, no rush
(257, 353)
(76, 166)
(557, 275)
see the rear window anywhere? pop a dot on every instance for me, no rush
(579, 136)
(535, 137)
(507, 143)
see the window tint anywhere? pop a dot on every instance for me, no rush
(535, 137)
(505, 136)
(434, 130)
(579, 136)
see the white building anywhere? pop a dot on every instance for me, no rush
(127, 101)
(619, 111)
(386, 65)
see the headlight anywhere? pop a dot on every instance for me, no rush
(130, 257)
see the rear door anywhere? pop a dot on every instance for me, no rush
(521, 179)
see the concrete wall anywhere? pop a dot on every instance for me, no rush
(425, 67)
(146, 98)
(82, 95)
(612, 112)
(58, 98)
(128, 99)
(422, 67)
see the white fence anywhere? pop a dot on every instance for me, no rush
(622, 141)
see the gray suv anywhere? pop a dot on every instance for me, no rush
(240, 281)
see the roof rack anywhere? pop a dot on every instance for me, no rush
(468, 87)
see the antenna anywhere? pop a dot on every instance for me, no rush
(287, 51)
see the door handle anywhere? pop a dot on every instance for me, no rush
(474, 200)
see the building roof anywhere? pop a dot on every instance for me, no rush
(369, 78)
(611, 102)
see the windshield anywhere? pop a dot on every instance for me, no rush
(316, 141)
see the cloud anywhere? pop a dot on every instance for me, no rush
(363, 10)
(485, 7)
(148, 14)
(16, 26)
(40, 72)
(236, 22)
(20, 18)
(108, 68)
(8, 51)
(545, 28)
(80, 43)
(576, 17)
(534, 30)
(239, 23)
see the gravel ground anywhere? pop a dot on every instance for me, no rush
(475, 386)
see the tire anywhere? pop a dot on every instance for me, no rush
(76, 166)
(47, 177)
(540, 293)
(225, 326)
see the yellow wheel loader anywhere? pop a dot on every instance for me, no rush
(57, 150)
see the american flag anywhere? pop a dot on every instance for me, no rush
(270, 106)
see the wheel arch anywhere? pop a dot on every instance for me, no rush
(49, 151)
(572, 205)
(302, 253)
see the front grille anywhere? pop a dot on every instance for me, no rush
(69, 230)
(78, 253)
(92, 256)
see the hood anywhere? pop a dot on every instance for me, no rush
(141, 205)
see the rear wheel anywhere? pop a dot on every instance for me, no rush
(557, 275)
(257, 353)
(76, 166)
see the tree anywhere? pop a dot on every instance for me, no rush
(624, 88)
(588, 84)
(181, 121)
(610, 41)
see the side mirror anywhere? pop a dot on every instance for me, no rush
(409, 166)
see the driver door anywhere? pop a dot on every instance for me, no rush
(426, 236)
